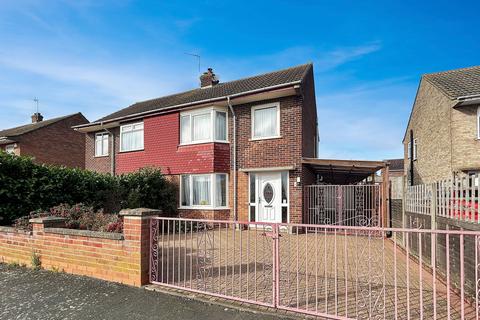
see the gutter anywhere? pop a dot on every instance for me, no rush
(244, 93)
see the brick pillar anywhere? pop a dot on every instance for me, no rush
(136, 232)
(39, 224)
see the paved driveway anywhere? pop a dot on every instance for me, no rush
(28, 294)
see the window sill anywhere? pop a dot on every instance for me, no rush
(202, 142)
(104, 156)
(203, 208)
(266, 138)
(127, 151)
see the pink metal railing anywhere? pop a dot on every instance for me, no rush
(345, 205)
(333, 271)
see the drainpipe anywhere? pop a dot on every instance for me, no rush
(235, 217)
(112, 158)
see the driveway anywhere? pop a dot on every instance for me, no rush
(29, 294)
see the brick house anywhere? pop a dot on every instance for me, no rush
(235, 149)
(443, 131)
(51, 141)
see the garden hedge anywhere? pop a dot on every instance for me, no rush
(26, 186)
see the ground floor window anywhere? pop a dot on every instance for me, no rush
(203, 190)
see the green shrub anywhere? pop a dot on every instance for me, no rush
(26, 187)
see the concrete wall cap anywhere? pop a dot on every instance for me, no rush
(47, 219)
(140, 212)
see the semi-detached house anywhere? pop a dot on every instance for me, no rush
(236, 149)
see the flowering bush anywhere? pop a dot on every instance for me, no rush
(78, 216)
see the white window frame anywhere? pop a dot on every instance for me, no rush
(415, 147)
(213, 193)
(104, 154)
(478, 122)
(10, 148)
(213, 114)
(252, 116)
(122, 128)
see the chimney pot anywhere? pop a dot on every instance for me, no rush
(37, 117)
(208, 79)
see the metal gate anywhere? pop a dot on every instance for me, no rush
(338, 272)
(345, 205)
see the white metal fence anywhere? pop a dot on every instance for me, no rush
(455, 198)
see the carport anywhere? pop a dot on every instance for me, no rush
(346, 192)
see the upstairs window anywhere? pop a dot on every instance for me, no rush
(266, 121)
(409, 151)
(131, 137)
(478, 123)
(101, 144)
(204, 125)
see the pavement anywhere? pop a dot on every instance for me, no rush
(39, 294)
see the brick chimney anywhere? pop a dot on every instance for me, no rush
(37, 117)
(208, 79)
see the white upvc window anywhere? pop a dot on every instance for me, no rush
(203, 125)
(409, 151)
(131, 137)
(478, 122)
(10, 149)
(266, 121)
(203, 191)
(101, 144)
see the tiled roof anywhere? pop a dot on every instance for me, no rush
(457, 83)
(17, 131)
(217, 91)
(395, 164)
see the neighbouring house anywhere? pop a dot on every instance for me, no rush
(51, 141)
(236, 149)
(442, 139)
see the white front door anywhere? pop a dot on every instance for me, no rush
(269, 186)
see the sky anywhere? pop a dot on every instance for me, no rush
(97, 56)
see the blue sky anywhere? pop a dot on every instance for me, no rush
(98, 56)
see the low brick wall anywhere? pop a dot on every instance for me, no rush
(122, 258)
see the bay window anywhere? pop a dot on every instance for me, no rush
(131, 137)
(101, 144)
(204, 125)
(203, 190)
(266, 121)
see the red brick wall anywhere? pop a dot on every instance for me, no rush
(279, 152)
(124, 261)
(56, 144)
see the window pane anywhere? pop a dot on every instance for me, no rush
(201, 190)
(98, 145)
(132, 139)
(185, 192)
(265, 121)
(201, 127)
(284, 214)
(221, 190)
(284, 187)
(185, 129)
(105, 145)
(252, 213)
(221, 126)
(252, 188)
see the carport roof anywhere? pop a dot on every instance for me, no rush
(343, 171)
